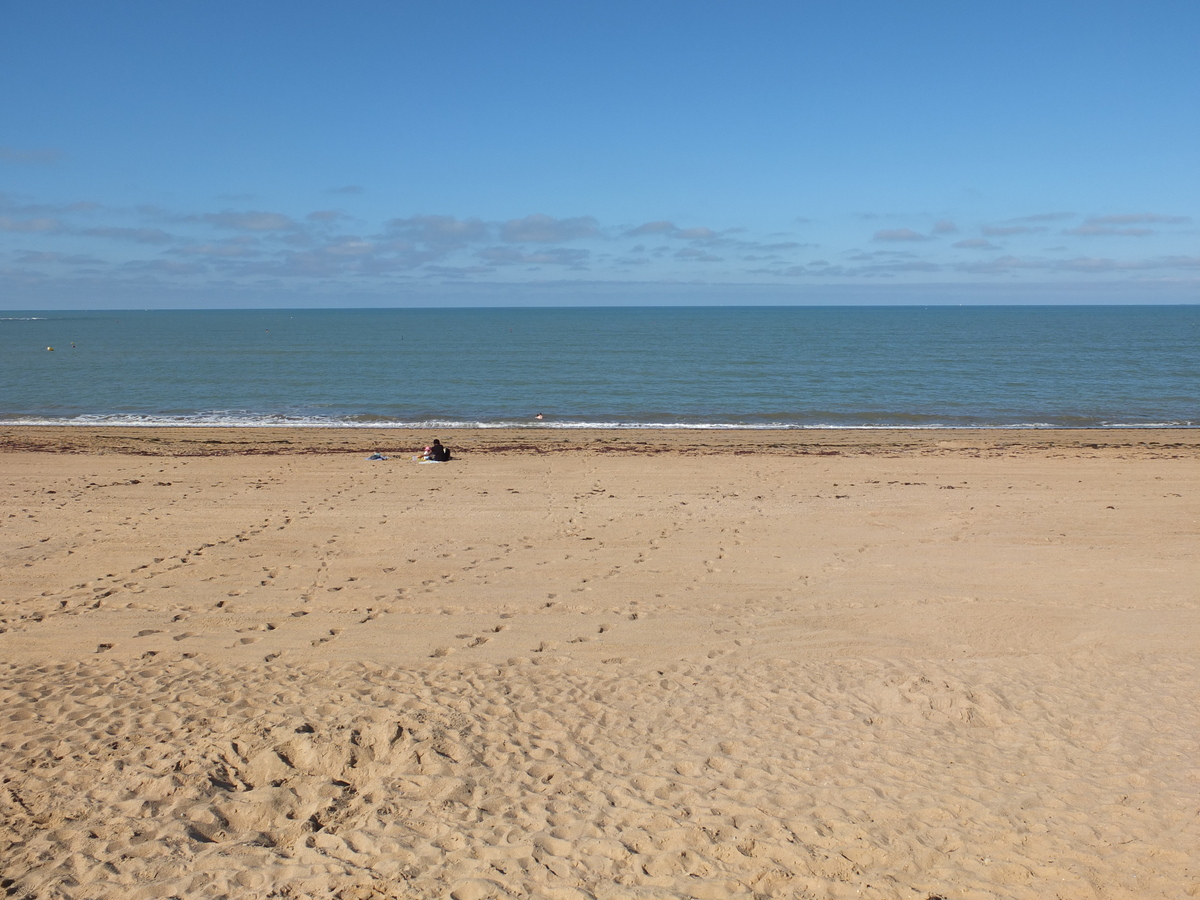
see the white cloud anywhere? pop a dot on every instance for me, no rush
(1138, 219)
(1001, 265)
(317, 248)
(872, 255)
(670, 229)
(238, 247)
(1081, 264)
(459, 272)
(38, 257)
(1106, 230)
(547, 229)
(1124, 225)
(692, 254)
(10, 203)
(1044, 217)
(654, 228)
(1009, 230)
(439, 230)
(32, 156)
(554, 256)
(138, 235)
(164, 267)
(349, 246)
(899, 234)
(39, 225)
(822, 269)
(252, 220)
(326, 216)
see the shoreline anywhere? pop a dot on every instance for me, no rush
(238, 440)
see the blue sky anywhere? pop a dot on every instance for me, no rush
(393, 153)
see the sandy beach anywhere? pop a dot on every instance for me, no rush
(571, 664)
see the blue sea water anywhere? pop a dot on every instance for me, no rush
(744, 367)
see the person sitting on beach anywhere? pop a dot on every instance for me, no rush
(437, 453)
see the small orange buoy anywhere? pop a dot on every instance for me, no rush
(49, 348)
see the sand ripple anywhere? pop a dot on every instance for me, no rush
(152, 778)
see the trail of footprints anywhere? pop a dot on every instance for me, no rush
(475, 639)
(95, 594)
(83, 597)
(88, 595)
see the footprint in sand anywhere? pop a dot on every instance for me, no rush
(333, 632)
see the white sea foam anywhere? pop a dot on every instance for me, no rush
(232, 420)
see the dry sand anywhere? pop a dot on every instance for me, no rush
(253, 664)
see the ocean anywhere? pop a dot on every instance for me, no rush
(659, 367)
